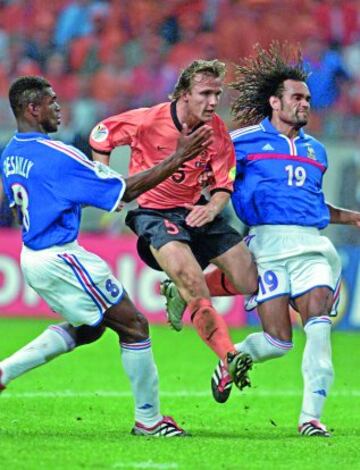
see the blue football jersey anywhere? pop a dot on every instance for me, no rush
(278, 179)
(50, 182)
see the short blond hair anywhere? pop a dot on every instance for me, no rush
(185, 80)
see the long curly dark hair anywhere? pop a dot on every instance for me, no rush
(261, 76)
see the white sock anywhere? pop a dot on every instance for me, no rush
(51, 343)
(317, 368)
(261, 346)
(139, 365)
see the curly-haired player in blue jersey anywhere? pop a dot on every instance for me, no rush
(278, 194)
(48, 182)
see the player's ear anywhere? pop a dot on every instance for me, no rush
(33, 109)
(274, 103)
(185, 95)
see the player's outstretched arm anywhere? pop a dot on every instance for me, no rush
(188, 147)
(339, 215)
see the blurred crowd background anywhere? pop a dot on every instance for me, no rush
(104, 57)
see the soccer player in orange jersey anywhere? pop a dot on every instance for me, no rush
(179, 230)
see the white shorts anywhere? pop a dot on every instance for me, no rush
(75, 283)
(292, 260)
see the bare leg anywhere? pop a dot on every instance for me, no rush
(178, 261)
(239, 269)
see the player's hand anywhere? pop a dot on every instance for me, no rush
(190, 145)
(200, 215)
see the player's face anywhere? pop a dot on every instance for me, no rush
(49, 116)
(203, 97)
(294, 106)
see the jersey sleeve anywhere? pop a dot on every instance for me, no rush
(6, 190)
(223, 165)
(324, 158)
(240, 156)
(84, 182)
(116, 131)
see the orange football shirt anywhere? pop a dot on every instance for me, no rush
(152, 135)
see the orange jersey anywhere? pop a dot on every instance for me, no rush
(152, 134)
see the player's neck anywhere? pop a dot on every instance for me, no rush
(184, 116)
(286, 129)
(25, 126)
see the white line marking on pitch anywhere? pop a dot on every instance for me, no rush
(147, 464)
(176, 394)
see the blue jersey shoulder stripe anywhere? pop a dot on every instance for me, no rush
(25, 139)
(244, 131)
(69, 151)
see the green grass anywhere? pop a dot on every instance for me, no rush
(89, 428)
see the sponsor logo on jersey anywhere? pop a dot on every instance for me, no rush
(268, 147)
(100, 133)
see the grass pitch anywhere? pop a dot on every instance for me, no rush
(76, 412)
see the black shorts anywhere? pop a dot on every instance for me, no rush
(156, 227)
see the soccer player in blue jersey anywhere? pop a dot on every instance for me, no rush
(48, 182)
(278, 193)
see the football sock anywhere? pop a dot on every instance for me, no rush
(139, 365)
(218, 284)
(317, 367)
(51, 343)
(261, 346)
(211, 327)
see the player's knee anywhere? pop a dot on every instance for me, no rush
(192, 282)
(249, 283)
(135, 329)
(142, 325)
(318, 310)
(321, 304)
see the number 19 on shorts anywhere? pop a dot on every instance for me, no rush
(268, 282)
